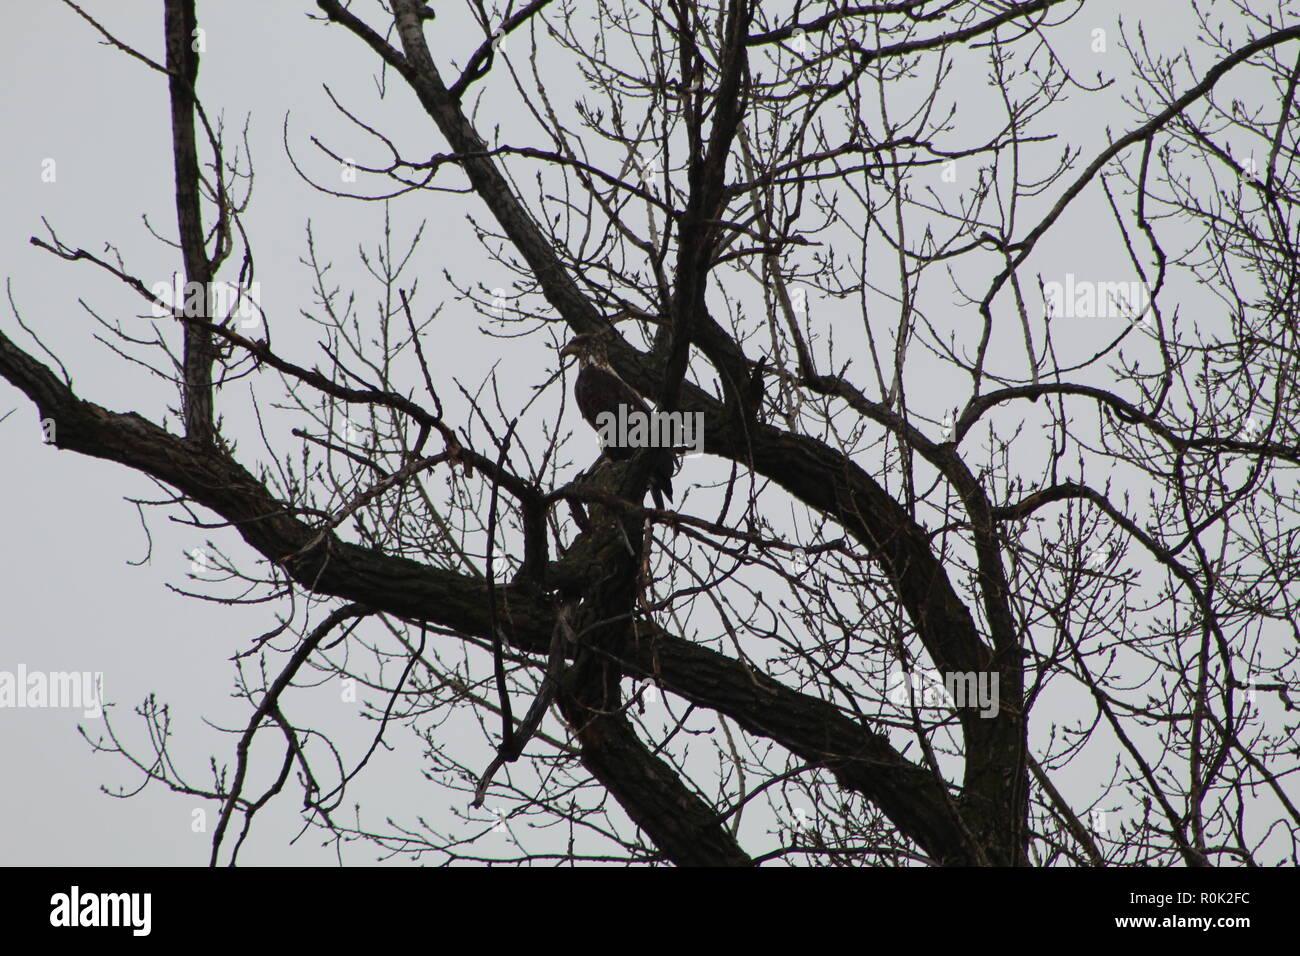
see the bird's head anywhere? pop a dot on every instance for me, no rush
(587, 348)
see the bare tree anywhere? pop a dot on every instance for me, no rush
(944, 487)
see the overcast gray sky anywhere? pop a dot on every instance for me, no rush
(73, 600)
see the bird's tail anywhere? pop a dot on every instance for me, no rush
(661, 482)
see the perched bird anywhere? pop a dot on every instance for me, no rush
(604, 398)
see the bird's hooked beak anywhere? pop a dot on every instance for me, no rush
(574, 349)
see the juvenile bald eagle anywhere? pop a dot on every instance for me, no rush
(600, 393)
